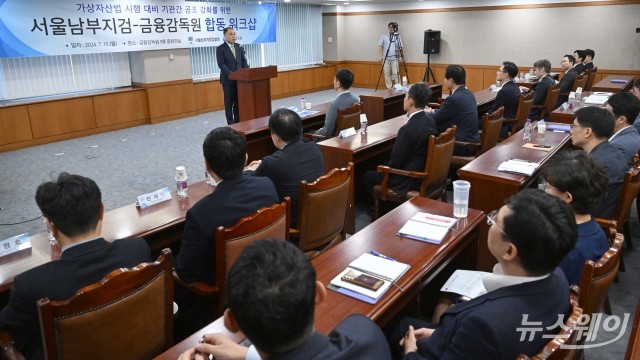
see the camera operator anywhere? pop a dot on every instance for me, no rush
(390, 45)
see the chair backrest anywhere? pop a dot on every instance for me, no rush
(628, 192)
(610, 228)
(580, 81)
(348, 117)
(323, 210)
(491, 126)
(439, 154)
(133, 306)
(591, 76)
(560, 347)
(553, 92)
(524, 108)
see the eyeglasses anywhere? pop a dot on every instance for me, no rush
(571, 126)
(491, 220)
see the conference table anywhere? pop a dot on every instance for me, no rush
(388, 103)
(427, 261)
(258, 136)
(614, 83)
(490, 187)
(161, 225)
(566, 116)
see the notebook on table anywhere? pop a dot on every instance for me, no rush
(427, 227)
(378, 274)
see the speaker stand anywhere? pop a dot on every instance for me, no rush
(428, 71)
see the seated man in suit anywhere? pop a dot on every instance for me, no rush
(410, 150)
(566, 83)
(529, 236)
(508, 95)
(579, 56)
(236, 196)
(575, 178)
(591, 129)
(459, 109)
(542, 69)
(73, 211)
(293, 162)
(272, 293)
(341, 83)
(587, 63)
(625, 108)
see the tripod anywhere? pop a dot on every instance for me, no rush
(428, 70)
(393, 38)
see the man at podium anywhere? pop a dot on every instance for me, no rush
(231, 57)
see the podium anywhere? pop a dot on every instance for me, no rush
(254, 91)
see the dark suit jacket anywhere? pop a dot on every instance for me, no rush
(410, 150)
(579, 68)
(508, 96)
(343, 100)
(566, 85)
(540, 94)
(628, 142)
(287, 167)
(78, 266)
(354, 338)
(486, 327)
(228, 64)
(588, 66)
(615, 165)
(232, 200)
(459, 109)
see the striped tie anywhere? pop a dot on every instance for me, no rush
(233, 50)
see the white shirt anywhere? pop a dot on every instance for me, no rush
(497, 279)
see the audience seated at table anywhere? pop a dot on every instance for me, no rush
(579, 56)
(73, 211)
(566, 83)
(591, 129)
(529, 236)
(236, 196)
(508, 95)
(625, 108)
(542, 68)
(293, 162)
(410, 149)
(272, 293)
(588, 59)
(341, 83)
(459, 109)
(575, 178)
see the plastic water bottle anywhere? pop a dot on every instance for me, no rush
(302, 102)
(526, 136)
(181, 182)
(542, 126)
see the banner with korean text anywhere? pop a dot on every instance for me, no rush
(62, 27)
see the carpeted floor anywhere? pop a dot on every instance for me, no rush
(131, 162)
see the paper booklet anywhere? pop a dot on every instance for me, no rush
(521, 167)
(427, 227)
(379, 268)
(465, 282)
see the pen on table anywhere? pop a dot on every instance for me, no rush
(542, 146)
(375, 253)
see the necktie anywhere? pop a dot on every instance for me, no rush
(233, 50)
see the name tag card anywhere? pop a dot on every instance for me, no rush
(158, 196)
(347, 132)
(14, 244)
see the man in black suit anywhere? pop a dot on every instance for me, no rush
(579, 56)
(566, 83)
(459, 109)
(230, 57)
(542, 69)
(293, 162)
(508, 95)
(272, 293)
(73, 211)
(410, 150)
(588, 59)
(591, 129)
(236, 196)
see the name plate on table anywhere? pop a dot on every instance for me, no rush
(347, 132)
(158, 196)
(14, 244)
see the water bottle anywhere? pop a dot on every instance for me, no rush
(542, 126)
(526, 136)
(522, 76)
(302, 102)
(181, 182)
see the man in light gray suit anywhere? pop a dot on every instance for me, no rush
(625, 107)
(341, 82)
